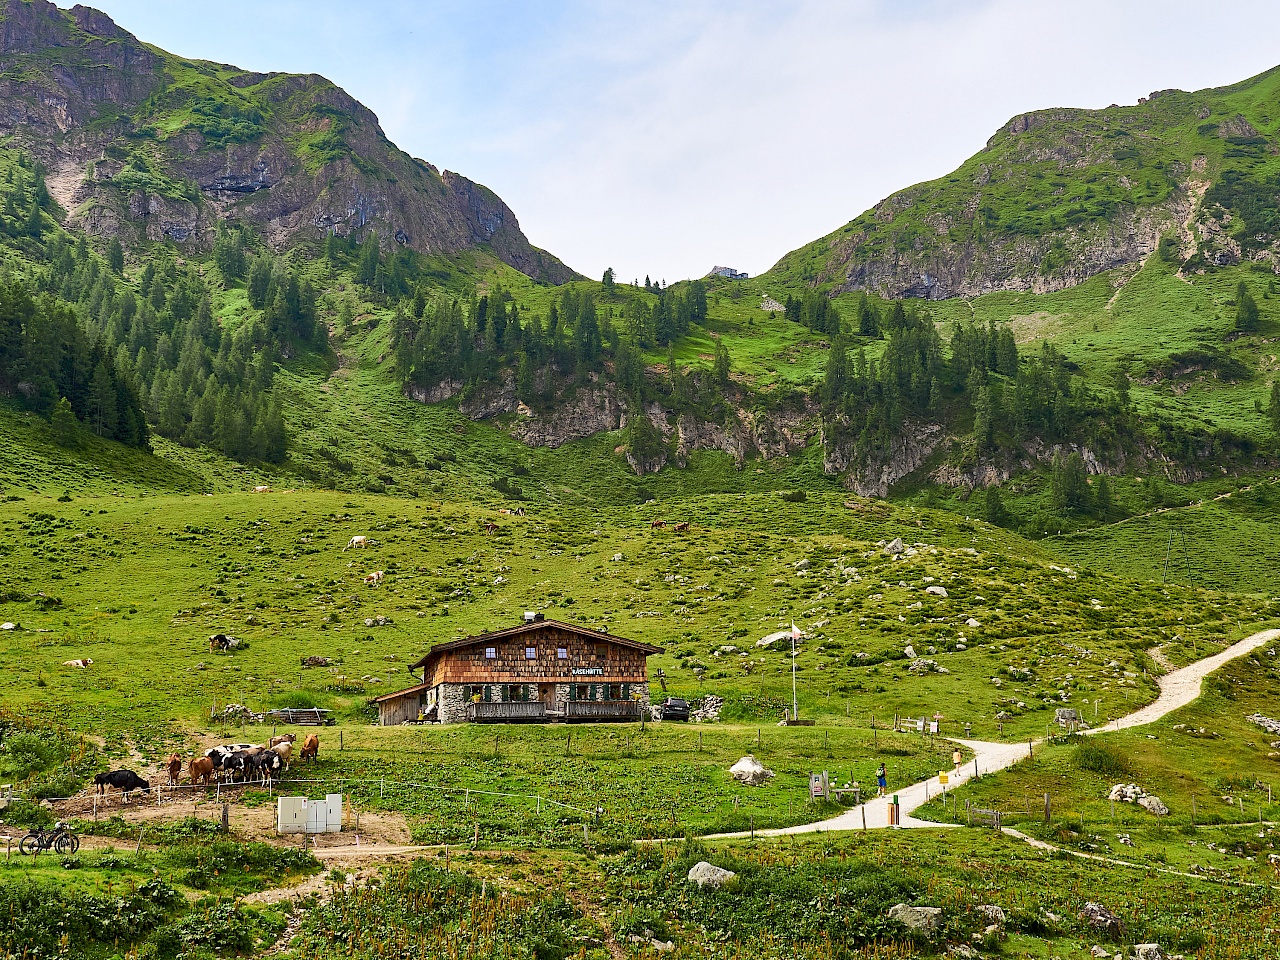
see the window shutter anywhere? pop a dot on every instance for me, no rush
(488, 693)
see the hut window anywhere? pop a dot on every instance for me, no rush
(516, 693)
(602, 650)
(582, 691)
(562, 653)
(531, 653)
(491, 653)
(615, 691)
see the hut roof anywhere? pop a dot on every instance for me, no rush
(536, 626)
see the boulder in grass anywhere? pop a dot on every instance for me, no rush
(937, 591)
(1148, 951)
(1102, 920)
(896, 547)
(1153, 804)
(750, 771)
(926, 920)
(990, 913)
(709, 875)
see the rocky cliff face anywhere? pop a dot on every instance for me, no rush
(145, 145)
(598, 408)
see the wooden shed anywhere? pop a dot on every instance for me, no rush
(537, 671)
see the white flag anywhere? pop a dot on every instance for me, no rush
(796, 632)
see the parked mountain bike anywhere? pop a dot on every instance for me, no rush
(59, 838)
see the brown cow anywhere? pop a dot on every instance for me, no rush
(656, 524)
(490, 527)
(283, 738)
(310, 748)
(682, 527)
(175, 768)
(201, 768)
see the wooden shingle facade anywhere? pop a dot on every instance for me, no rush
(539, 670)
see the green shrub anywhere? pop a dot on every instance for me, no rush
(1101, 758)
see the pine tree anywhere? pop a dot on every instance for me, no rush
(115, 256)
(1104, 503)
(722, 364)
(1246, 308)
(993, 507)
(1273, 410)
(66, 428)
(607, 282)
(102, 401)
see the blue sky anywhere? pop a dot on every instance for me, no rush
(663, 137)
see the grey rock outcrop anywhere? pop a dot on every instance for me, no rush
(751, 771)
(926, 920)
(1102, 920)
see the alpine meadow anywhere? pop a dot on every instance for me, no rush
(373, 584)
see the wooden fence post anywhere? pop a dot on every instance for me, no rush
(1048, 809)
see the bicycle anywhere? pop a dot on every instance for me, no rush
(60, 839)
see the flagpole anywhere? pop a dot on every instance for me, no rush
(795, 708)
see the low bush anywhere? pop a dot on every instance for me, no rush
(1101, 758)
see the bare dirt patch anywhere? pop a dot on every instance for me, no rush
(1030, 327)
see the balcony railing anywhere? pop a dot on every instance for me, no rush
(505, 712)
(602, 710)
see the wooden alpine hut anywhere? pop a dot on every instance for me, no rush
(537, 671)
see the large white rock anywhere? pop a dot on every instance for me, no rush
(1153, 804)
(1148, 951)
(925, 919)
(910, 652)
(773, 638)
(750, 771)
(895, 547)
(971, 622)
(709, 875)
(936, 590)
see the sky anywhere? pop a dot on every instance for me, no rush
(664, 137)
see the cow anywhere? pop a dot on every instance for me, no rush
(201, 768)
(174, 768)
(126, 781)
(490, 527)
(241, 764)
(682, 527)
(284, 750)
(360, 542)
(310, 748)
(82, 663)
(221, 756)
(375, 578)
(519, 511)
(283, 738)
(657, 524)
(262, 489)
(220, 641)
(263, 766)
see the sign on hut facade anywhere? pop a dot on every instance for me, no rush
(538, 671)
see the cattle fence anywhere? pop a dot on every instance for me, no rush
(219, 789)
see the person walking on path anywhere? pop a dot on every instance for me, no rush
(882, 780)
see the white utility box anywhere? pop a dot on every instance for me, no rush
(300, 815)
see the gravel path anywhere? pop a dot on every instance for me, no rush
(1177, 689)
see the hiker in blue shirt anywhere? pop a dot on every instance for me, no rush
(882, 780)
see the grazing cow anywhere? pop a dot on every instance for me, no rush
(360, 542)
(682, 527)
(175, 769)
(126, 781)
(657, 524)
(310, 748)
(283, 738)
(241, 764)
(519, 511)
(220, 641)
(375, 578)
(82, 663)
(505, 512)
(263, 489)
(201, 768)
(266, 765)
(221, 756)
(490, 527)
(284, 751)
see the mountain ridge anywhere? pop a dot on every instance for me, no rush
(143, 145)
(1059, 195)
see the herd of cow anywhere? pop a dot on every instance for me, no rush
(232, 762)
